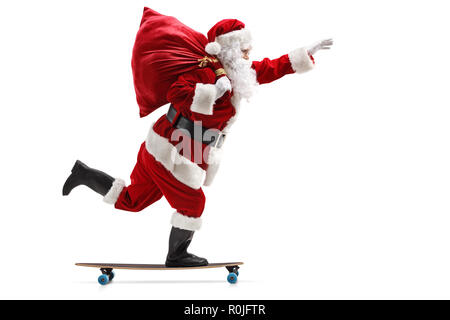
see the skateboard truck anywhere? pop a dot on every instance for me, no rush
(107, 271)
(233, 269)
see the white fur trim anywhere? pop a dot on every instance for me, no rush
(236, 102)
(211, 174)
(300, 60)
(181, 221)
(167, 154)
(243, 36)
(114, 193)
(204, 98)
(214, 158)
(213, 48)
(214, 155)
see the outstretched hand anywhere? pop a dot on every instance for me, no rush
(321, 45)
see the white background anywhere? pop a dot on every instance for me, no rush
(335, 183)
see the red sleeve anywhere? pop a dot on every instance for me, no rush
(182, 91)
(269, 70)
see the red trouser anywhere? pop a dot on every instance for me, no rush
(150, 181)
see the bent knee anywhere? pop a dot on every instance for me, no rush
(194, 206)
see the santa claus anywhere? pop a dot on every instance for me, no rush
(204, 105)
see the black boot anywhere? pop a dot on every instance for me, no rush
(178, 256)
(97, 180)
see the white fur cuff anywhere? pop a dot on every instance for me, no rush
(114, 193)
(186, 223)
(300, 60)
(204, 98)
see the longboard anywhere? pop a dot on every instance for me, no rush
(108, 274)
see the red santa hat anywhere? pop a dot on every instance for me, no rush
(224, 33)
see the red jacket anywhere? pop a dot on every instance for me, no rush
(193, 95)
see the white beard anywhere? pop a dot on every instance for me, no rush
(240, 71)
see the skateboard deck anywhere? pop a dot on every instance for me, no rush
(108, 273)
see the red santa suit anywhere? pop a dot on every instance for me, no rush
(161, 169)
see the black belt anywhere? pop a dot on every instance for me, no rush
(208, 136)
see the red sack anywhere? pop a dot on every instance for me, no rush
(164, 49)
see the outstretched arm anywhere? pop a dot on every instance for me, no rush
(297, 61)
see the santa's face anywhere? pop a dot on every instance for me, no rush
(236, 62)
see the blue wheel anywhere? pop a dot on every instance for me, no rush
(103, 279)
(111, 275)
(232, 277)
